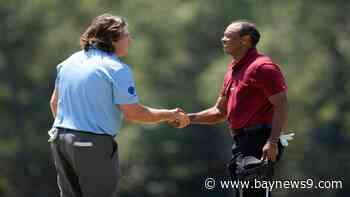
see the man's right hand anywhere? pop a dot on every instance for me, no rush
(180, 118)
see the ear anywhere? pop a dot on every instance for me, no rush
(246, 40)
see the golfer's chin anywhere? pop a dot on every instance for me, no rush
(226, 50)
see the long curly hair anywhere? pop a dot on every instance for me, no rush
(103, 30)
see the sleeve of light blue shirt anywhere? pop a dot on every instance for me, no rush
(124, 91)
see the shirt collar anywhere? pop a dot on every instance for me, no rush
(110, 54)
(237, 65)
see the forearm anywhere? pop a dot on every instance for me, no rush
(53, 102)
(53, 110)
(150, 115)
(210, 116)
(279, 121)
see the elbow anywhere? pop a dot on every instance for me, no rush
(221, 113)
(130, 117)
(133, 112)
(127, 117)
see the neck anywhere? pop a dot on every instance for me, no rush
(118, 54)
(240, 54)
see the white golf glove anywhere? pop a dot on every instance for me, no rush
(284, 138)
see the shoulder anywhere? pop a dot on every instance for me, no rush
(263, 68)
(77, 55)
(262, 59)
(116, 68)
(116, 65)
(71, 58)
(264, 63)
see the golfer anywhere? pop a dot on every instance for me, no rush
(253, 100)
(94, 89)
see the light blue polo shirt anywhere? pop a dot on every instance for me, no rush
(90, 86)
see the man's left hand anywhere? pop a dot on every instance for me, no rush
(182, 119)
(270, 151)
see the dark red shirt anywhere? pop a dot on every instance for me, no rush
(248, 84)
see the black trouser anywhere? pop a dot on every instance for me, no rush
(86, 164)
(251, 143)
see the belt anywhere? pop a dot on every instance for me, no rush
(86, 132)
(253, 128)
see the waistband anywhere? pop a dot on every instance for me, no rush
(61, 129)
(252, 128)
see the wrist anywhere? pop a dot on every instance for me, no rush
(171, 116)
(192, 117)
(274, 137)
(272, 142)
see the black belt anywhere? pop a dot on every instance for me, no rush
(86, 132)
(253, 128)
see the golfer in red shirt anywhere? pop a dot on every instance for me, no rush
(253, 98)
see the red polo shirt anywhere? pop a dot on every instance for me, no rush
(248, 84)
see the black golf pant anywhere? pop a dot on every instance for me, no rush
(86, 164)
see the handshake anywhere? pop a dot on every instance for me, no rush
(179, 118)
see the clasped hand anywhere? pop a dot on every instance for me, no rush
(179, 118)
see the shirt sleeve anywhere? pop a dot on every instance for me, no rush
(124, 91)
(270, 79)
